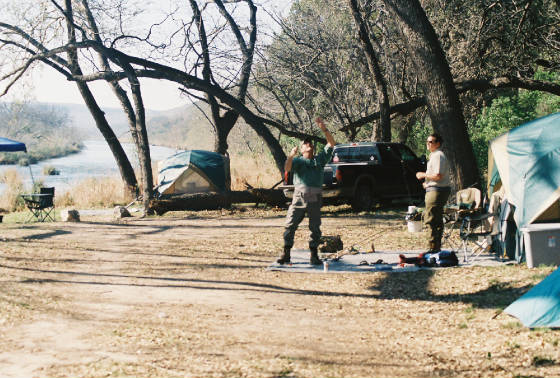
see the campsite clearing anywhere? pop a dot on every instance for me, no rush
(188, 294)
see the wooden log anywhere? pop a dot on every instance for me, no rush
(213, 201)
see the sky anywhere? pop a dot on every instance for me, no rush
(157, 94)
(47, 85)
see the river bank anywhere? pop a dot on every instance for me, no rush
(94, 160)
(36, 155)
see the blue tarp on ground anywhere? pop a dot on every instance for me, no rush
(8, 145)
(540, 306)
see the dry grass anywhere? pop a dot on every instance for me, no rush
(187, 294)
(9, 200)
(94, 192)
(258, 171)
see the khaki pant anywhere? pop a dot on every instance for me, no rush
(433, 216)
(298, 208)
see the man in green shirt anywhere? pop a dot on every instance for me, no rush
(308, 184)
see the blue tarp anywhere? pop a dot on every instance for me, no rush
(540, 306)
(8, 145)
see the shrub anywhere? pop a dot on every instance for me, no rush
(94, 192)
(49, 170)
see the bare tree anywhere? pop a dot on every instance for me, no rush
(383, 132)
(417, 68)
(137, 118)
(26, 48)
(223, 123)
(314, 66)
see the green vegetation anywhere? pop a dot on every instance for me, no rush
(543, 361)
(508, 111)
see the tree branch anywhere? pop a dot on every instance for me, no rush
(481, 85)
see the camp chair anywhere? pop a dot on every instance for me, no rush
(468, 216)
(473, 222)
(40, 204)
(474, 230)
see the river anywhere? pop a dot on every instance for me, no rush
(94, 160)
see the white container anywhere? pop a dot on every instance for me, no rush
(411, 209)
(414, 226)
(542, 244)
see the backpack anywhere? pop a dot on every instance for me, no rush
(441, 259)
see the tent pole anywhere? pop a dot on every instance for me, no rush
(32, 180)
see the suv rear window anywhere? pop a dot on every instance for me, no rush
(355, 154)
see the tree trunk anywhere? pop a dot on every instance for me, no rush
(212, 201)
(223, 126)
(383, 132)
(441, 95)
(125, 168)
(143, 146)
(159, 71)
(123, 163)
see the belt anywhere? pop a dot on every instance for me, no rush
(438, 188)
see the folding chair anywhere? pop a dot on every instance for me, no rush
(468, 215)
(40, 204)
(473, 221)
(467, 202)
(475, 230)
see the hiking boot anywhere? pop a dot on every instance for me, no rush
(315, 260)
(285, 258)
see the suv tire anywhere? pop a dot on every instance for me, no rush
(363, 198)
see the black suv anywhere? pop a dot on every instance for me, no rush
(367, 173)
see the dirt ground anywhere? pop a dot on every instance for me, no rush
(188, 295)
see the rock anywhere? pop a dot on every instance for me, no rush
(121, 212)
(70, 215)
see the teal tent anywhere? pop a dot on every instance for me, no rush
(526, 160)
(540, 306)
(193, 171)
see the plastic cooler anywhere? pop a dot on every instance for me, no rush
(542, 244)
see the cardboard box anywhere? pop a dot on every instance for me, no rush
(542, 244)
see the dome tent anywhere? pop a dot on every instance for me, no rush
(540, 306)
(526, 160)
(193, 171)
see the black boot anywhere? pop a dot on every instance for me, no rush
(285, 258)
(314, 260)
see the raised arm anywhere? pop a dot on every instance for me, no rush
(289, 159)
(328, 135)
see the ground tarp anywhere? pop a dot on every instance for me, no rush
(379, 261)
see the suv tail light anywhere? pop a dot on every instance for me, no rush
(338, 175)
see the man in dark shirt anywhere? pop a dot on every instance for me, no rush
(308, 184)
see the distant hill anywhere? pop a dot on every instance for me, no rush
(184, 127)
